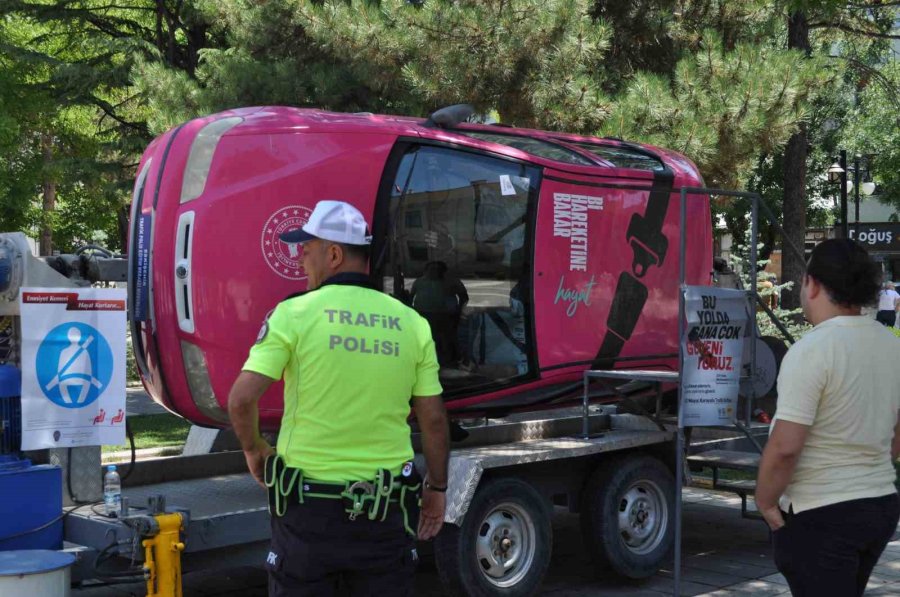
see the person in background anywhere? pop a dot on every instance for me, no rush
(826, 478)
(440, 298)
(888, 303)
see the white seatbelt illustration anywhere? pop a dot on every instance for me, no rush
(76, 369)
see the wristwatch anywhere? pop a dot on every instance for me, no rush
(435, 487)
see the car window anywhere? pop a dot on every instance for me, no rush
(622, 157)
(456, 253)
(538, 147)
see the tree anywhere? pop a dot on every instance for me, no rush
(723, 109)
(873, 129)
(79, 124)
(794, 169)
(858, 19)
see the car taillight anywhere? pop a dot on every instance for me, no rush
(200, 158)
(197, 375)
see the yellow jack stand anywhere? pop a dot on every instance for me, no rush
(162, 557)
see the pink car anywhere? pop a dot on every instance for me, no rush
(534, 255)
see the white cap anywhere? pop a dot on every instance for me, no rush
(337, 221)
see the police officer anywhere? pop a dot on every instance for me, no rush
(343, 493)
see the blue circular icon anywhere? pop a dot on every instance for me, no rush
(74, 365)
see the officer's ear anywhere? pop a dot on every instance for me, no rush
(335, 255)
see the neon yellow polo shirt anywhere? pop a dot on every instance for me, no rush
(352, 358)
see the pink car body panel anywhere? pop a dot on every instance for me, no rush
(214, 266)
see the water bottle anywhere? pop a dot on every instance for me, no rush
(112, 491)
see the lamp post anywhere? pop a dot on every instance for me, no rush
(867, 189)
(838, 174)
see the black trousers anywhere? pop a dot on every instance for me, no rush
(832, 550)
(318, 551)
(887, 318)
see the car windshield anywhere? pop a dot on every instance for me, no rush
(538, 147)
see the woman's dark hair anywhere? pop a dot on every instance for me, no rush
(848, 273)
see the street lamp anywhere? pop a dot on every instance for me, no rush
(867, 189)
(834, 173)
(838, 174)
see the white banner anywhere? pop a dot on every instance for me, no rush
(713, 348)
(73, 367)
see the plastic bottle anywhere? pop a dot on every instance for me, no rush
(112, 491)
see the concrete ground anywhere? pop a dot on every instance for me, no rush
(137, 402)
(724, 555)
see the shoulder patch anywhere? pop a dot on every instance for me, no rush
(264, 330)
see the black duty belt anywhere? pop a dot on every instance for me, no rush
(373, 499)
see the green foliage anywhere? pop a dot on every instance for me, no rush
(155, 431)
(92, 81)
(791, 319)
(70, 117)
(873, 129)
(534, 61)
(723, 109)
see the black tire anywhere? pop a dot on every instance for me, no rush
(628, 515)
(501, 510)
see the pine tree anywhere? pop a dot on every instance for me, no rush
(79, 125)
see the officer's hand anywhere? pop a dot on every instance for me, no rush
(256, 460)
(431, 519)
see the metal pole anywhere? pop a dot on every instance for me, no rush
(754, 283)
(843, 163)
(584, 423)
(679, 437)
(856, 194)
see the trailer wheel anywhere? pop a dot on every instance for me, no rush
(502, 547)
(628, 515)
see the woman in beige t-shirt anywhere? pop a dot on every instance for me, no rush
(826, 478)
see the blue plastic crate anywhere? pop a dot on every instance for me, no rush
(30, 498)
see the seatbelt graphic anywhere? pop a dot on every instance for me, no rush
(649, 246)
(81, 348)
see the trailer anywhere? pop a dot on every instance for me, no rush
(504, 483)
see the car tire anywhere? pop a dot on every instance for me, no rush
(503, 546)
(628, 515)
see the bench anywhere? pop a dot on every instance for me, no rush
(730, 460)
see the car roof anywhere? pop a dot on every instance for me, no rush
(286, 120)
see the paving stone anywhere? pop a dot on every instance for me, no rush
(667, 585)
(889, 590)
(759, 587)
(888, 569)
(732, 568)
(703, 577)
(776, 578)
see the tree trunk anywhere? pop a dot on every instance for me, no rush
(122, 220)
(49, 191)
(794, 206)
